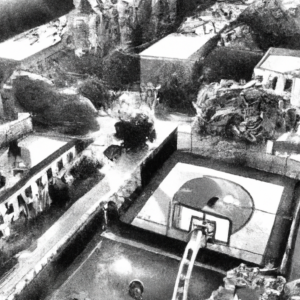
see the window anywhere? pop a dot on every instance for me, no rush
(39, 182)
(9, 208)
(274, 82)
(49, 173)
(288, 85)
(60, 165)
(20, 200)
(70, 157)
(2, 181)
(28, 192)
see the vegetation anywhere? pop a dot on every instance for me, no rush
(135, 131)
(85, 167)
(54, 109)
(120, 70)
(95, 90)
(179, 90)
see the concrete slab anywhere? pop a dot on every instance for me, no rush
(255, 235)
(251, 239)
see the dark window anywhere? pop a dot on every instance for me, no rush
(49, 173)
(288, 85)
(39, 182)
(2, 181)
(60, 165)
(20, 200)
(28, 192)
(70, 156)
(9, 208)
(274, 82)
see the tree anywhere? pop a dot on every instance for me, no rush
(52, 108)
(95, 90)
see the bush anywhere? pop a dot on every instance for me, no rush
(52, 108)
(178, 94)
(85, 167)
(121, 70)
(135, 131)
(96, 91)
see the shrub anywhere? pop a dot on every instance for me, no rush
(135, 131)
(178, 94)
(85, 167)
(52, 108)
(96, 91)
(121, 70)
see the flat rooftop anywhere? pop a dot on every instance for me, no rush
(114, 262)
(33, 150)
(31, 42)
(281, 64)
(280, 60)
(176, 46)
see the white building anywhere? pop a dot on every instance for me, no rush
(279, 69)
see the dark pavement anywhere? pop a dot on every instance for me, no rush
(111, 265)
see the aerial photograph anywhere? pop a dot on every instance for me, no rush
(149, 149)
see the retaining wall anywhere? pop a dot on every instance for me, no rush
(16, 129)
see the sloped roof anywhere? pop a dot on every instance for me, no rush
(176, 46)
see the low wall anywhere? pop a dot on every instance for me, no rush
(238, 153)
(15, 129)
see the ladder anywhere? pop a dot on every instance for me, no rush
(198, 238)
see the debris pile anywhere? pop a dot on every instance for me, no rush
(213, 19)
(250, 283)
(244, 112)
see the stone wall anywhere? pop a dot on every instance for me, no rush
(16, 129)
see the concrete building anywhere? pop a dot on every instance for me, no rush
(279, 69)
(176, 53)
(28, 171)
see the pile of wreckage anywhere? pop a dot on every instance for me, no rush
(251, 112)
(250, 283)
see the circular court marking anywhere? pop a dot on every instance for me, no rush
(218, 196)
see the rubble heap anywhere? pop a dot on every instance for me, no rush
(249, 283)
(243, 112)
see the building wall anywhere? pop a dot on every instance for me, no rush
(157, 70)
(268, 77)
(15, 129)
(44, 199)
